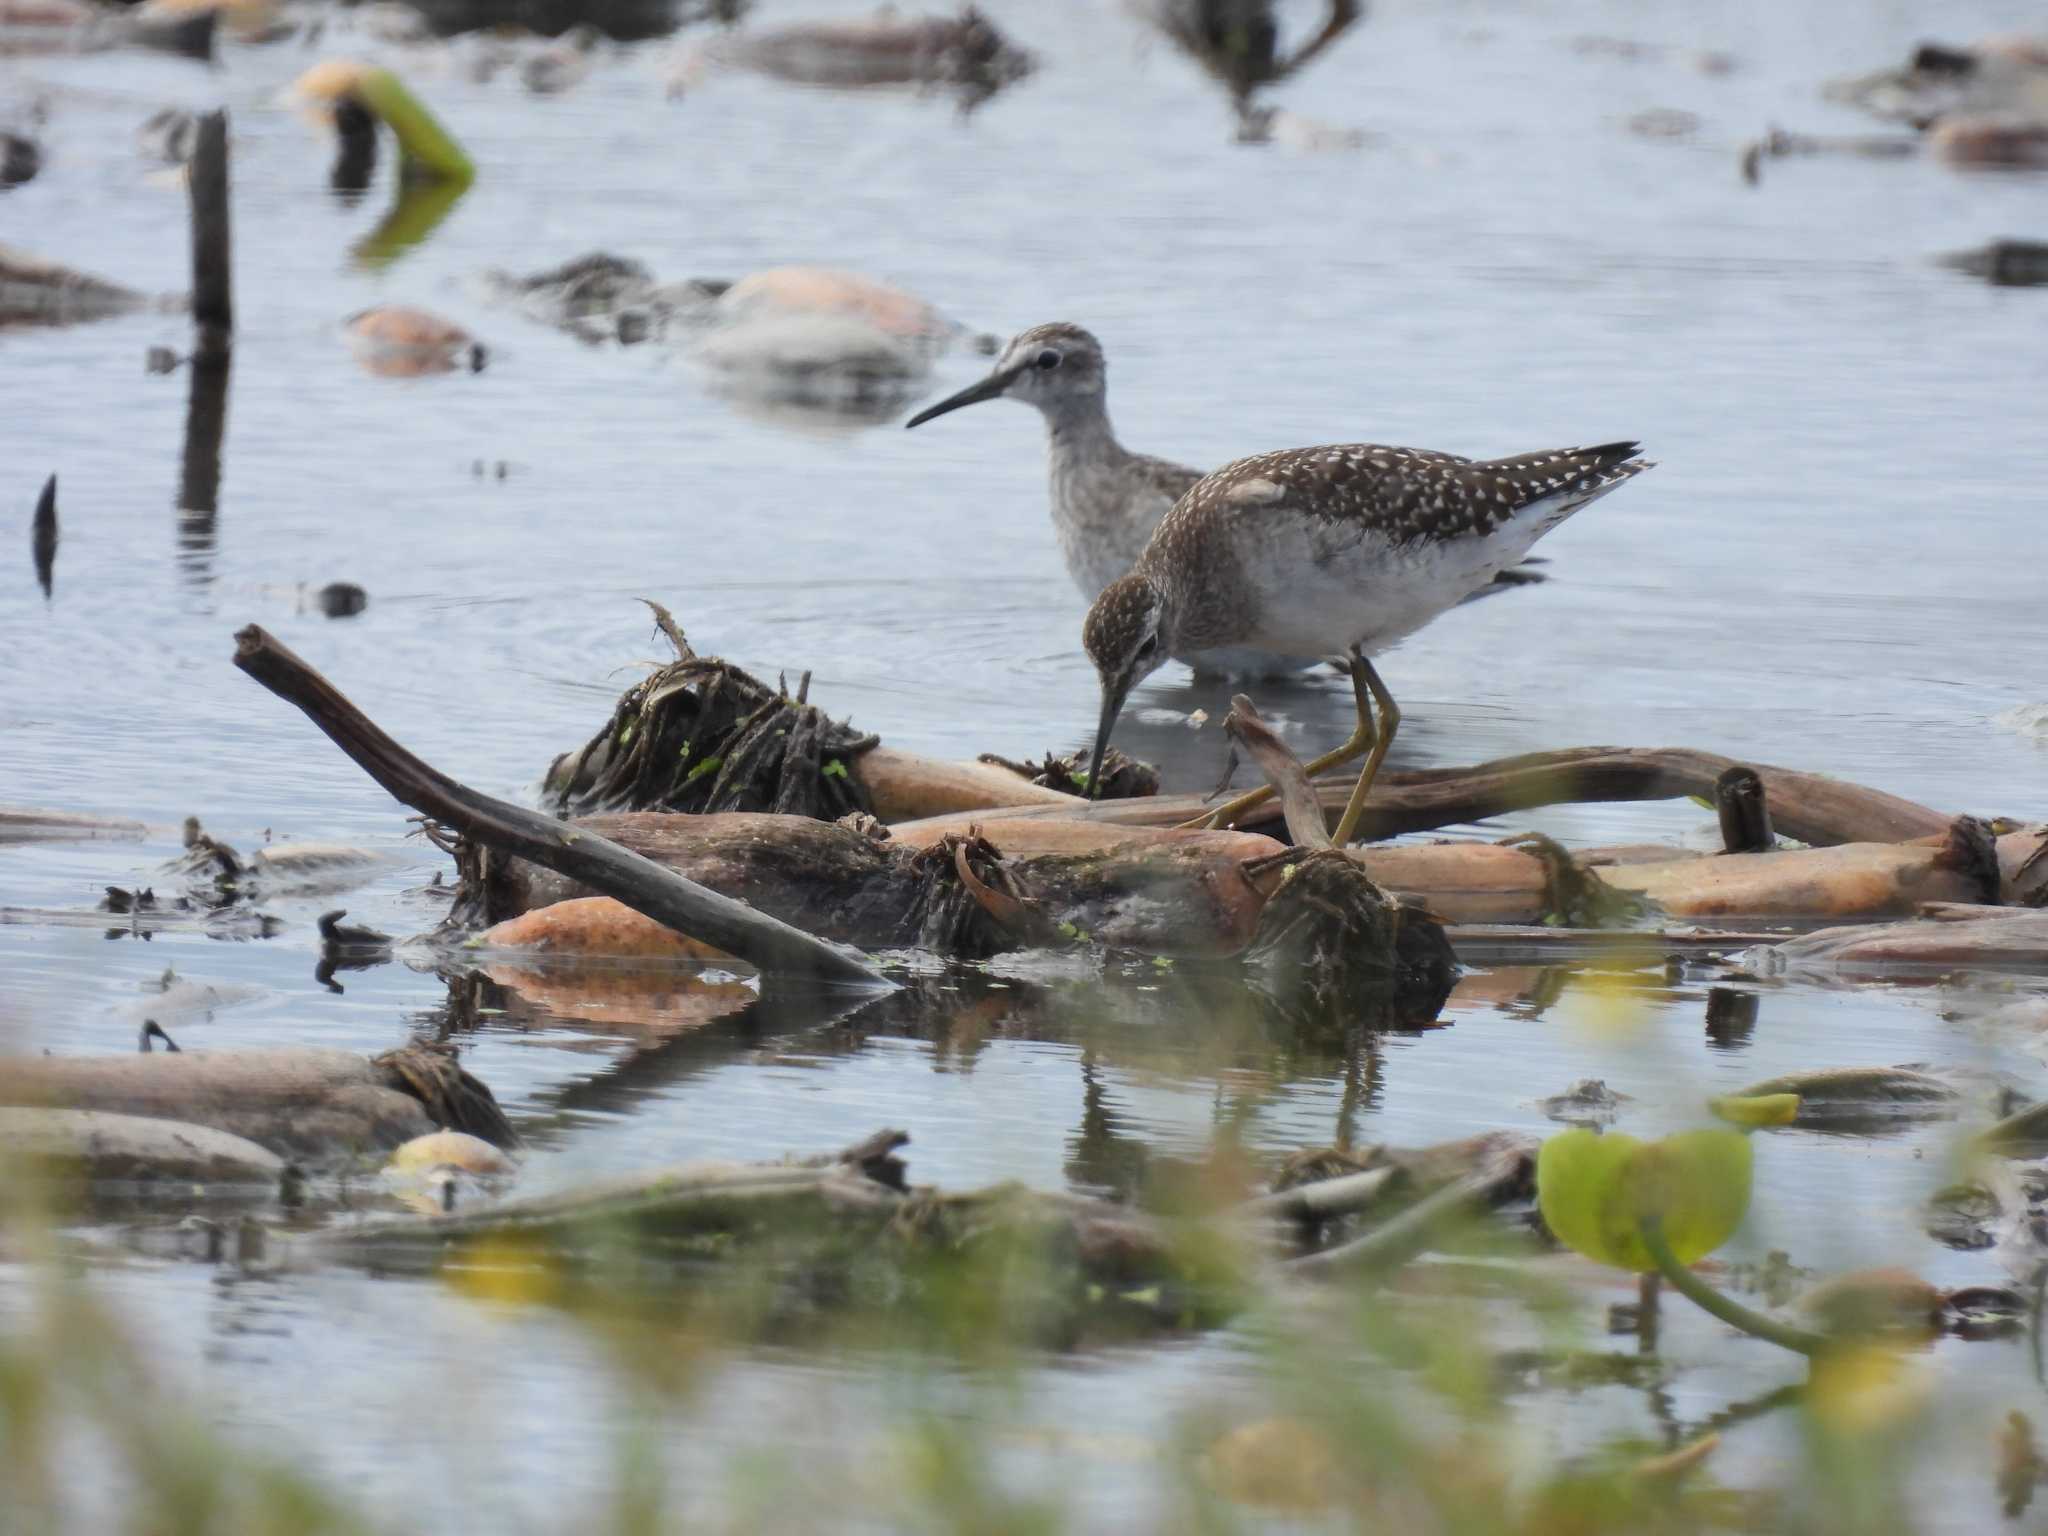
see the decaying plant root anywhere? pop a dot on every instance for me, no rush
(700, 735)
(1343, 946)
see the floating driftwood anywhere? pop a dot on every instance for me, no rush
(1162, 893)
(38, 292)
(1175, 892)
(24, 826)
(1807, 806)
(312, 1105)
(1862, 880)
(73, 26)
(773, 946)
(1862, 1100)
(964, 54)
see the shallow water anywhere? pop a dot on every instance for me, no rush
(1835, 566)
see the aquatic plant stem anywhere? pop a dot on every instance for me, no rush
(1733, 1313)
(429, 149)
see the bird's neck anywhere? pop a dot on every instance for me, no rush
(1080, 432)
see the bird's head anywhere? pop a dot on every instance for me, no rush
(1124, 636)
(1050, 366)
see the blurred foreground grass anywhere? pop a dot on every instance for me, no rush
(1363, 1409)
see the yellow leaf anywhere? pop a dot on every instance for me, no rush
(1757, 1109)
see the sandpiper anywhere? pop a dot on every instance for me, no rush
(1348, 548)
(1106, 500)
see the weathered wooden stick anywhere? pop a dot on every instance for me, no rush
(1744, 810)
(733, 926)
(212, 304)
(1808, 806)
(1307, 822)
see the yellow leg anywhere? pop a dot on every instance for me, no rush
(1360, 740)
(1390, 722)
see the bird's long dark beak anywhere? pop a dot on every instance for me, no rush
(1113, 696)
(987, 389)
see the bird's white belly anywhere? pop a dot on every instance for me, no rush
(1316, 598)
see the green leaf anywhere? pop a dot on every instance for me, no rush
(836, 769)
(1757, 1109)
(1595, 1192)
(704, 766)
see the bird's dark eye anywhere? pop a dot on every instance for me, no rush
(1048, 358)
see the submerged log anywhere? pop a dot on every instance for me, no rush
(24, 826)
(1173, 892)
(130, 1150)
(815, 1223)
(1948, 939)
(762, 941)
(38, 292)
(309, 1104)
(1862, 1100)
(1806, 806)
(848, 1229)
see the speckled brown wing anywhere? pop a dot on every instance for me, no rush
(1407, 495)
